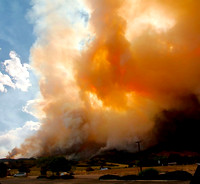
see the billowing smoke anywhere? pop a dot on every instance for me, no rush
(118, 72)
(178, 129)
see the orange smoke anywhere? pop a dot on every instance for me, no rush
(142, 57)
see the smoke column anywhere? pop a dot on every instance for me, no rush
(122, 75)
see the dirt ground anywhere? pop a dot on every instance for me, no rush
(128, 171)
(80, 179)
(83, 177)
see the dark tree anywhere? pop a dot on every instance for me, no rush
(3, 170)
(59, 164)
(54, 164)
(24, 168)
(43, 163)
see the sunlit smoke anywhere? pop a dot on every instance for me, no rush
(108, 68)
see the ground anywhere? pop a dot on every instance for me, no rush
(135, 170)
(83, 177)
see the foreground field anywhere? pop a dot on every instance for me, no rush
(84, 177)
(128, 171)
(80, 179)
(119, 170)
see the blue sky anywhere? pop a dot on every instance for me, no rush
(16, 35)
(16, 32)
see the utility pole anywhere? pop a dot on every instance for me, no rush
(138, 143)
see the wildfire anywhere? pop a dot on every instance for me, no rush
(137, 58)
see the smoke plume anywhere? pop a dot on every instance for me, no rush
(118, 72)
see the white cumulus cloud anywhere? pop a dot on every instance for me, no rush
(17, 74)
(5, 80)
(18, 71)
(14, 137)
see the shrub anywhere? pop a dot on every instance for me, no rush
(177, 175)
(149, 174)
(129, 177)
(109, 177)
(89, 169)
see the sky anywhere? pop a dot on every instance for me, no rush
(18, 83)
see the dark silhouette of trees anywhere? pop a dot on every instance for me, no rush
(149, 173)
(3, 170)
(59, 164)
(24, 168)
(43, 163)
(54, 164)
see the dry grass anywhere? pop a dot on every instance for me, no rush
(128, 171)
(118, 169)
(82, 177)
